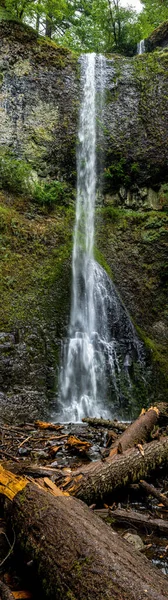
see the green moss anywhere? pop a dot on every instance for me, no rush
(101, 260)
(156, 350)
(55, 54)
(33, 254)
(70, 595)
(134, 246)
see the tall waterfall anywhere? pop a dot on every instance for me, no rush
(141, 47)
(102, 343)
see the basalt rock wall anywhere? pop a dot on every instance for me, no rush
(39, 105)
(38, 101)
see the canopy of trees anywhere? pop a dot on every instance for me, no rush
(90, 25)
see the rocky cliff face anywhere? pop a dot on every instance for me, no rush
(158, 38)
(39, 101)
(136, 137)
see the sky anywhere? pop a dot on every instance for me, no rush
(134, 3)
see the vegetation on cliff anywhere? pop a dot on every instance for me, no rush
(100, 26)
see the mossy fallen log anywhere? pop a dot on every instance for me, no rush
(95, 482)
(75, 555)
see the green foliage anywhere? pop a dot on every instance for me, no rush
(16, 176)
(120, 172)
(20, 8)
(51, 193)
(14, 173)
(82, 25)
(85, 25)
(163, 196)
(101, 26)
(153, 14)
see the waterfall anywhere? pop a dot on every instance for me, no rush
(102, 345)
(141, 47)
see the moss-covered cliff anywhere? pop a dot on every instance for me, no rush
(39, 100)
(134, 122)
(35, 280)
(135, 245)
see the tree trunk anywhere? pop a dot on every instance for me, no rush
(139, 431)
(129, 517)
(96, 481)
(105, 423)
(75, 555)
(152, 491)
(49, 26)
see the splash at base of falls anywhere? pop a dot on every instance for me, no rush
(98, 369)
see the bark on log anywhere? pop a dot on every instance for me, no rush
(129, 517)
(139, 431)
(96, 481)
(152, 491)
(76, 556)
(5, 593)
(105, 423)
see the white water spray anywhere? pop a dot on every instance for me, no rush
(101, 343)
(141, 47)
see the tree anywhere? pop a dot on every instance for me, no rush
(101, 26)
(84, 25)
(19, 8)
(153, 14)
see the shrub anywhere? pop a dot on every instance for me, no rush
(14, 173)
(51, 193)
(17, 176)
(163, 196)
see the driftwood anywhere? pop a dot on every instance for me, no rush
(43, 425)
(104, 423)
(152, 491)
(6, 594)
(96, 481)
(129, 517)
(73, 443)
(75, 555)
(139, 431)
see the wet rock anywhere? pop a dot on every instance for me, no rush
(24, 451)
(160, 331)
(134, 539)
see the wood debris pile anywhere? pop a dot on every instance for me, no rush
(105, 464)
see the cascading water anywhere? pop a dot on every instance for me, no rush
(78, 384)
(102, 345)
(141, 47)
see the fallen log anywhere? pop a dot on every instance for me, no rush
(152, 491)
(139, 431)
(75, 555)
(5, 593)
(114, 424)
(98, 480)
(124, 517)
